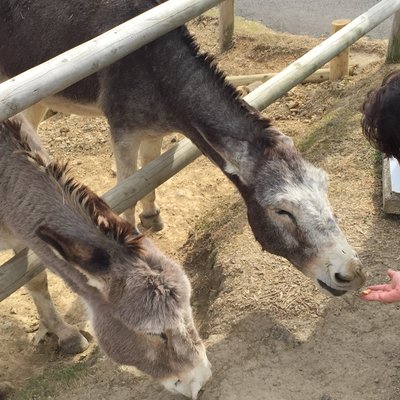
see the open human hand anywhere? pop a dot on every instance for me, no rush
(386, 293)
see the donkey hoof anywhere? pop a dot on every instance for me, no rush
(40, 335)
(74, 344)
(6, 389)
(153, 222)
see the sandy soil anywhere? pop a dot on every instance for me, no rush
(270, 333)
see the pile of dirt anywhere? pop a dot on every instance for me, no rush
(270, 333)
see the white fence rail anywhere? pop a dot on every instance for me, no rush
(21, 268)
(226, 24)
(67, 68)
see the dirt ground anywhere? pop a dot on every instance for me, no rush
(269, 332)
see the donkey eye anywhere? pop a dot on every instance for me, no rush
(164, 337)
(287, 213)
(283, 212)
(161, 335)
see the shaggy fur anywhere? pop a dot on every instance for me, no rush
(138, 299)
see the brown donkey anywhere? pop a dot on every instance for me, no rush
(138, 300)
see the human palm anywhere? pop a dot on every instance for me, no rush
(386, 293)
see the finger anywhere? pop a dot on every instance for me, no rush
(372, 296)
(391, 273)
(394, 276)
(384, 287)
(383, 297)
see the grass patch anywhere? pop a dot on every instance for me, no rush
(253, 26)
(328, 135)
(221, 215)
(52, 381)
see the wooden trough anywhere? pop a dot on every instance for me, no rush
(25, 89)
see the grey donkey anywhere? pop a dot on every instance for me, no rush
(138, 300)
(170, 86)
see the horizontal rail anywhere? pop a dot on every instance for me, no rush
(62, 71)
(318, 76)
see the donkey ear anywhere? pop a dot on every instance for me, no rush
(237, 156)
(76, 250)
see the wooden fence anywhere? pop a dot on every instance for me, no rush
(226, 24)
(393, 53)
(49, 78)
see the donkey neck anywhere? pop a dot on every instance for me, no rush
(31, 197)
(202, 99)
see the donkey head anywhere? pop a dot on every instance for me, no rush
(287, 206)
(161, 292)
(139, 305)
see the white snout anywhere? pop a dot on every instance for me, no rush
(338, 270)
(190, 384)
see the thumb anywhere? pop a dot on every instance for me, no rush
(391, 273)
(383, 297)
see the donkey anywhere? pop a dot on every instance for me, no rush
(138, 300)
(170, 86)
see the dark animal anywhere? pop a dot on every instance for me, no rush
(166, 86)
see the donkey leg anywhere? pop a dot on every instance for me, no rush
(150, 216)
(35, 114)
(69, 338)
(126, 151)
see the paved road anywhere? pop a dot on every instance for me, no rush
(308, 17)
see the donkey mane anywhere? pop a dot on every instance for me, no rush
(15, 134)
(85, 200)
(230, 90)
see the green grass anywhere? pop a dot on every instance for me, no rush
(52, 381)
(221, 214)
(333, 127)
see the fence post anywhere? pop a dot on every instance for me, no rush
(226, 24)
(339, 66)
(393, 53)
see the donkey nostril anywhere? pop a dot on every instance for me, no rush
(342, 278)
